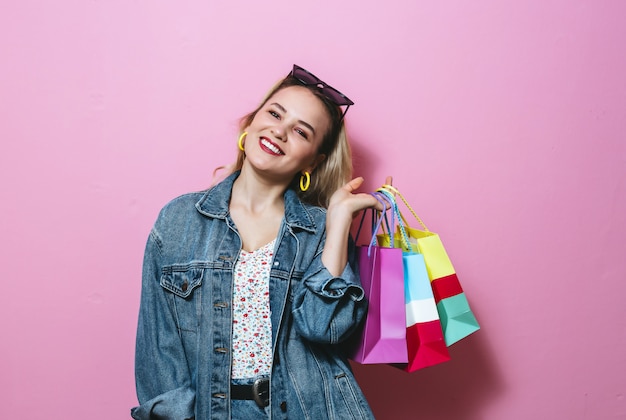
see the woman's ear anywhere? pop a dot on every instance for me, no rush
(318, 159)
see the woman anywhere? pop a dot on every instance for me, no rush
(249, 288)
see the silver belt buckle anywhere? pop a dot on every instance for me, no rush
(261, 392)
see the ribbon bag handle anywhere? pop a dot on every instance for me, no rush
(404, 237)
(383, 199)
(394, 190)
(375, 225)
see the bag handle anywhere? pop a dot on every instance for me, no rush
(380, 196)
(404, 238)
(392, 198)
(383, 214)
(406, 203)
(377, 224)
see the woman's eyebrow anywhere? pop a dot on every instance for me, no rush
(282, 108)
(284, 111)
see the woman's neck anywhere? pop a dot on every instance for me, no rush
(255, 194)
(257, 208)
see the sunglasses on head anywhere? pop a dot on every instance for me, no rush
(309, 79)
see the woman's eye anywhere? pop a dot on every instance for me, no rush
(274, 114)
(302, 133)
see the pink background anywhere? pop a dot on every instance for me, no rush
(502, 121)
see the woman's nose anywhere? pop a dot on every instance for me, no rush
(279, 131)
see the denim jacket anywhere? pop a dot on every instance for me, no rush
(183, 360)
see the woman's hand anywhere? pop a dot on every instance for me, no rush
(344, 202)
(344, 205)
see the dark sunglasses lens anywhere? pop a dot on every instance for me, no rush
(305, 77)
(330, 92)
(336, 96)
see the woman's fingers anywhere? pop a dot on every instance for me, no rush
(353, 201)
(350, 200)
(354, 184)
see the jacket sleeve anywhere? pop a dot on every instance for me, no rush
(327, 308)
(162, 376)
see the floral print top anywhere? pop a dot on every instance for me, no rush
(252, 329)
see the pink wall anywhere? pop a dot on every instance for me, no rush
(503, 121)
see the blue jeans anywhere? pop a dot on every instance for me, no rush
(247, 409)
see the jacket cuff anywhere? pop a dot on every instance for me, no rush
(325, 284)
(175, 404)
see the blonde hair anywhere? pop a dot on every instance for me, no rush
(334, 171)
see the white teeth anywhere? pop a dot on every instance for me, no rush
(270, 146)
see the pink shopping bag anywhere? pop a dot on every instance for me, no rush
(383, 335)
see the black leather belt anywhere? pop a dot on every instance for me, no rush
(259, 391)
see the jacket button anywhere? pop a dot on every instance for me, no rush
(283, 406)
(221, 350)
(185, 286)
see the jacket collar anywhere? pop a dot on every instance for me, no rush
(214, 203)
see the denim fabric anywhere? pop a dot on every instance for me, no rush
(247, 409)
(183, 359)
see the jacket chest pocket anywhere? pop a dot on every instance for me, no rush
(183, 284)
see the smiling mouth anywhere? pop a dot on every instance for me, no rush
(270, 147)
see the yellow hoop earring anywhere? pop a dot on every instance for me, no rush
(305, 181)
(240, 142)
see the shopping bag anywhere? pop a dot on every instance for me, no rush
(383, 335)
(425, 342)
(457, 319)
